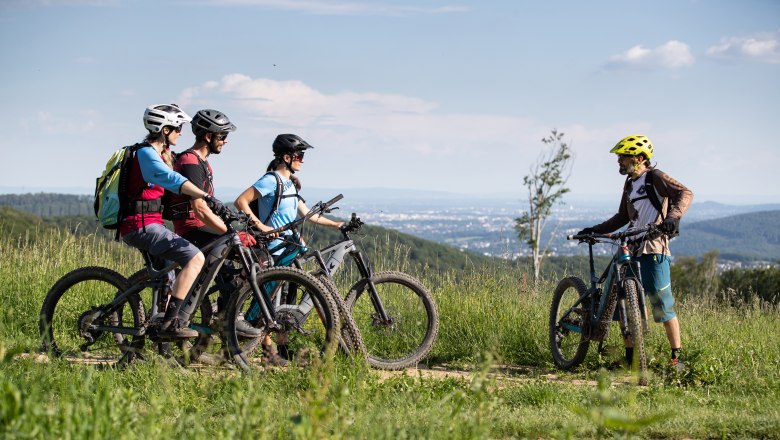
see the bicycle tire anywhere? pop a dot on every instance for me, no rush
(351, 341)
(605, 323)
(414, 326)
(67, 308)
(320, 339)
(636, 330)
(568, 348)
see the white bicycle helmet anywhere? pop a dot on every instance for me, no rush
(159, 115)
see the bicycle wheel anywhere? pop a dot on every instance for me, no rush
(351, 341)
(311, 338)
(71, 312)
(408, 335)
(635, 329)
(568, 342)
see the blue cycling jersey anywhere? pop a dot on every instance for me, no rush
(157, 172)
(288, 206)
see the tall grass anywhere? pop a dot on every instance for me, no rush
(488, 319)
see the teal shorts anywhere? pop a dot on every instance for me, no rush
(657, 282)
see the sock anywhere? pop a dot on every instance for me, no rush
(675, 352)
(173, 309)
(629, 355)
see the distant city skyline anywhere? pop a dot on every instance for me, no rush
(450, 96)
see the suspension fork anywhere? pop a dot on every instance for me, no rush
(366, 273)
(640, 293)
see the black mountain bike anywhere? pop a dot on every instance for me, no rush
(395, 313)
(96, 312)
(579, 314)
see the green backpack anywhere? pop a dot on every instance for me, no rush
(111, 188)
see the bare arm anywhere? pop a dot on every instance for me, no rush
(242, 204)
(204, 214)
(318, 219)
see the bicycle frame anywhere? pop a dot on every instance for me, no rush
(597, 295)
(335, 254)
(217, 252)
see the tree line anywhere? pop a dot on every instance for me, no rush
(47, 205)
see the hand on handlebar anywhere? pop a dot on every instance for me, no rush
(217, 207)
(670, 225)
(586, 231)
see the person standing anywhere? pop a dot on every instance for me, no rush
(650, 196)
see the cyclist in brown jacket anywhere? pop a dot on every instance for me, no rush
(650, 196)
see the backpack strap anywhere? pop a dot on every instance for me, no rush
(652, 193)
(255, 205)
(205, 167)
(126, 201)
(278, 196)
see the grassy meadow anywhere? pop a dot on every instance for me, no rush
(489, 323)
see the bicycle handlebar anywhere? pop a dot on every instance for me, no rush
(318, 208)
(354, 224)
(650, 228)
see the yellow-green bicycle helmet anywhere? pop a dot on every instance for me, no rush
(634, 145)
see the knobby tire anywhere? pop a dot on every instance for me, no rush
(322, 324)
(414, 326)
(568, 348)
(70, 301)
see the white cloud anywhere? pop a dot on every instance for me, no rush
(762, 47)
(370, 136)
(358, 120)
(330, 7)
(671, 55)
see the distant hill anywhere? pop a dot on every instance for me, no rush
(15, 222)
(752, 236)
(50, 204)
(746, 234)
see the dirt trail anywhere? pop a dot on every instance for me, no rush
(504, 375)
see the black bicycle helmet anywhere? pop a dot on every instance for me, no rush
(213, 121)
(288, 143)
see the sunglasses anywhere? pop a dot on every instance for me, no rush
(298, 156)
(178, 129)
(222, 137)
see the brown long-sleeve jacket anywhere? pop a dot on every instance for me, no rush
(672, 194)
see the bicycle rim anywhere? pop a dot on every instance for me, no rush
(311, 337)
(568, 343)
(404, 339)
(69, 314)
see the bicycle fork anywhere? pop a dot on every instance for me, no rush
(381, 314)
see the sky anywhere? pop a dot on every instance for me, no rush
(452, 96)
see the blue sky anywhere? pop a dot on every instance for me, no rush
(438, 95)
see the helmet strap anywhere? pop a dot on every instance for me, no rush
(289, 166)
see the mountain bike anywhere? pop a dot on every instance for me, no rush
(579, 315)
(95, 311)
(396, 315)
(244, 304)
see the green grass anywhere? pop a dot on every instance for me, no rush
(731, 389)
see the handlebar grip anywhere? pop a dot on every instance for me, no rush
(334, 200)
